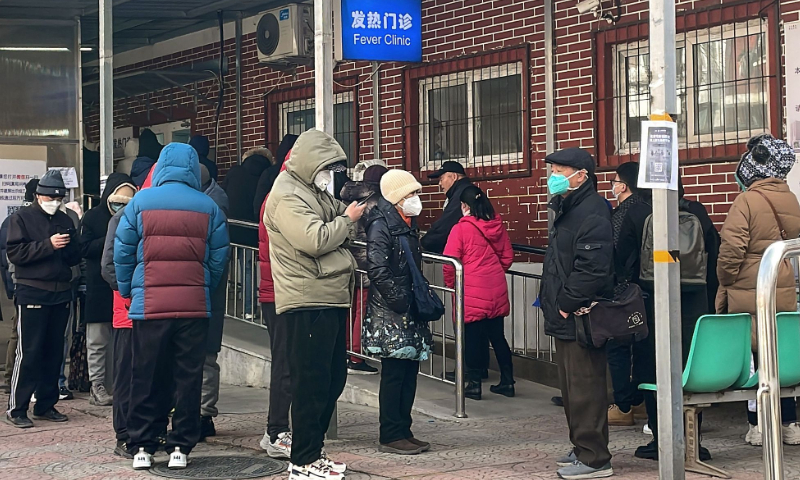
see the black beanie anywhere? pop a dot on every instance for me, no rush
(52, 185)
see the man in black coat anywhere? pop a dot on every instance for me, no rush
(149, 150)
(452, 180)
(43, 246)
(201, 146)
(268, 176)
(99, 333)
(577, 271)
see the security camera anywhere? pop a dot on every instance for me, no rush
(589, 6)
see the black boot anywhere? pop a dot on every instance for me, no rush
(473, 388)
(506, 385)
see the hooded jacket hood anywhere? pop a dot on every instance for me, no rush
(256, 164)
(493, 229)
(178, 162)
(114, 182)
(285, 148)
(148, 144)
(200, 143)
(313, 151)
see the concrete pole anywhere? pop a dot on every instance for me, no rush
(323, 65)
(663, 100)
(106, 89)
(323, 98)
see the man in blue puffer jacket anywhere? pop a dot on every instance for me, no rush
(170, 251)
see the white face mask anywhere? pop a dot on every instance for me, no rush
(412, 207)
(323, 179)
(50, 207)
(465, 211)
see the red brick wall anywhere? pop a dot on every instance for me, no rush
(451, 29)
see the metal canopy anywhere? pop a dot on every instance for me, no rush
(136, 22)
(140, 82)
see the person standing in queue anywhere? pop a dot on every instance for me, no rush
(452, 180)
(43, 246)
(314, 275)
(577, 270)
(391, 331)
(170, 252)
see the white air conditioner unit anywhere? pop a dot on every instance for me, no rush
(285, 33)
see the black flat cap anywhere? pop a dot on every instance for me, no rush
(449, 166)
(572, 157)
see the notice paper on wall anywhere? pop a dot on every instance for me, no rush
(658, 162)
(14, 174)
(69, 175)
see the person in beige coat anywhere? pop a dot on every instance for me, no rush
(314, 275)
(766, 212)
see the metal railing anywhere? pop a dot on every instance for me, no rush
(768, 395)
(242, 304)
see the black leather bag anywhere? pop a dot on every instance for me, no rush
(426, 306)
(622, 319)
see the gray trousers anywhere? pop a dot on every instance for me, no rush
(210, 392)
(99, 337)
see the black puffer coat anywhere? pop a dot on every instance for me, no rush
(389, 330)
(578, 264)
(356, 192)
(94, 227)
(240, 186)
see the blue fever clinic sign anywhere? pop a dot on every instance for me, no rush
(384, 30)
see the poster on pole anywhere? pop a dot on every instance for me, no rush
(14, 174)
(658, 160)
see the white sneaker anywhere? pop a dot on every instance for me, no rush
(281, 448)
(646, 430)
(753, 436)
(340, 467)
(178, 460)
(791, 434)
(318, 470)
(142, 460)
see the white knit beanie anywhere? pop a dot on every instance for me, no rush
(396, 184)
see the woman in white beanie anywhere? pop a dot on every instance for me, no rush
(391, 331)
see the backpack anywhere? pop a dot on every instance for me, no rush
(693, 259)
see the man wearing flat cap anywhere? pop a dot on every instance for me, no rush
(577, 271)
(452, 180)
(43, 246)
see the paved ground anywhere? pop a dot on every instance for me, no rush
(519, 448)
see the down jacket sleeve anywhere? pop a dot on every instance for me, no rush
(594, 249)
(505, 252)
(735, 239)
(379, 252)
(107, 270)
(126, 245)
(8, 282)
(306, 231)
(218, 245)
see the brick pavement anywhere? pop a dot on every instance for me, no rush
(514, 448)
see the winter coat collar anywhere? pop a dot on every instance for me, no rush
(457, 187)
(397, 226)
(561, 205)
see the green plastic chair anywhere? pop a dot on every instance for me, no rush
(788, 352)
(720, 349)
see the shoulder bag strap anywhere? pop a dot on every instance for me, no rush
(412, 264)
(784, 236)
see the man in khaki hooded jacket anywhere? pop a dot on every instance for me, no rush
(314, 274)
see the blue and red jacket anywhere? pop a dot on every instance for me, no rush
(172, 243)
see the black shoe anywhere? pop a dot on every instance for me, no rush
(360, 368)
(650, 452)
(501, 389)
(19, 422)
(65, 394)
(473, 390)
(51, 415)
(557, 401)
(122, 450)
(207, 428)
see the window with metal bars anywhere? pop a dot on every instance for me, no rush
(722, 83)
(474, 117)
(297, 116)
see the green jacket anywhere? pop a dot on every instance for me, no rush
(308, 231)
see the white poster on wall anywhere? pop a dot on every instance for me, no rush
(121, 138)
(14, 174)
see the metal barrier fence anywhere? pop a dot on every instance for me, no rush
(242, 304)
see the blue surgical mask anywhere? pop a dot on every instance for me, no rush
(558, 184)
(739, 182)
(116, 207)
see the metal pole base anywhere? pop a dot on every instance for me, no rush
(693, 463)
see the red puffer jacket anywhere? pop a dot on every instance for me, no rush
(266, 288)
(485, 251)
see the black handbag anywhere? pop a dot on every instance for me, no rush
(426, 306)
(622, 319)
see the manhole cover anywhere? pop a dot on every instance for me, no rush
(223, 468)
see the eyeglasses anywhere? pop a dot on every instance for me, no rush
(615, 182)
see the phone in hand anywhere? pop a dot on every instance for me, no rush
(365, 199)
